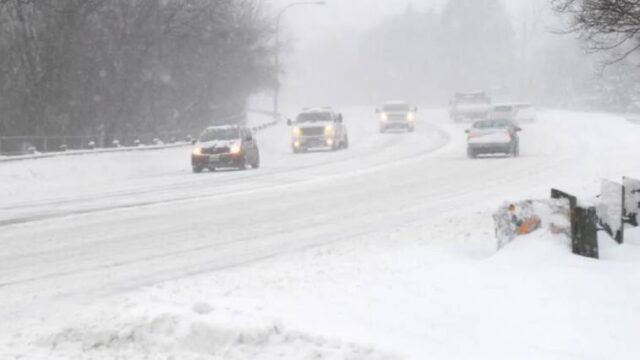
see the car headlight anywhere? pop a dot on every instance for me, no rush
(197, 151)
(297, 132)
(328, 130)
(384, 117)
(235, 149)
(411, 116)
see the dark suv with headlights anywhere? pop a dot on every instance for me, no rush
(228, 146)
(320, 128)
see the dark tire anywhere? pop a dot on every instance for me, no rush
(256, 164)
(382, 131)
(411, 129)
(345, 144)
(243, 164)
(471, 154)
(515, 150)
(197, 170)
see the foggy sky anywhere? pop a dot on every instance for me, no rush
(307, 28)
(306, 24)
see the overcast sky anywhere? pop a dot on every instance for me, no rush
(304, 24)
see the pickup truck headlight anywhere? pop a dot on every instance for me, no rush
(411, 116)
(328, 130)
(384, 117)
(297, 132)
(197, 151)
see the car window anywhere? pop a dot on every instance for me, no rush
(220, 134)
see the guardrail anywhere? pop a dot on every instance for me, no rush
(160, 146)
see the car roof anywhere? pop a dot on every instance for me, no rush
(223, 127)
(317, 110)
(499, 120)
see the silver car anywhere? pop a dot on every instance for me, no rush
(499, 136)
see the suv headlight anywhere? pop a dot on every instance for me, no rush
(235, 149)
(384, 117)
(197, 151)
(297, 132)
(411, 116)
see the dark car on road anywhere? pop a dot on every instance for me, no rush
(229, 146)
(498, 136)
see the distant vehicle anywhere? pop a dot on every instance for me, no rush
(397, 115)
(229, 146)
(526, 113)
(504, 111)
(470, 106)
(499, 136)
(318, 128)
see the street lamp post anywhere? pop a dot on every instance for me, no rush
(276, 95)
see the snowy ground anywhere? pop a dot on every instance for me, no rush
(384, 251)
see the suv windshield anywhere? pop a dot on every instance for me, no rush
(396, 107)
(314, 116)
(230, 133)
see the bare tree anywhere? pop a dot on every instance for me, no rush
(607, 25)
(87, 67)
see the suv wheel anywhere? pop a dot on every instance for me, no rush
(243, 164)
(471, 154)
(345, 144)
(197, 170)
(256, 164)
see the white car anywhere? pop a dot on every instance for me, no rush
(526, 113)
(397, 115)
(498, 136)
(504, 111)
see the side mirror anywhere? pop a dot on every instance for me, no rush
(339, 120)
(415, 109)
(377, 111)
(467, 131)
(249, 137)
(194, 141)
(289, 122)
(518, 129)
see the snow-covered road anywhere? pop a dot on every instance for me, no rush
(406, 216)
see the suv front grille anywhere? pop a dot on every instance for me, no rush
(216, 151)
(313, 131)
(397, 117)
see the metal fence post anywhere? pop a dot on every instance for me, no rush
(585, 240)
(584, 226)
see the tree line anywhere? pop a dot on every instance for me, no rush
(113, 67)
